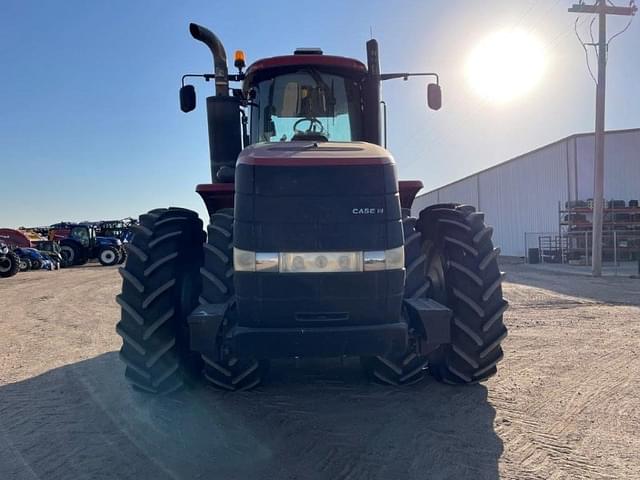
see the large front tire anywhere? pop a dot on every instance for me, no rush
(408, 367)
(225, 370)
(461, 271)
(160, 288)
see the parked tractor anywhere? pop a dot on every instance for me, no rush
(9, 261)
(32, 259)
(311, 249)
(79, 244)
(50, 249)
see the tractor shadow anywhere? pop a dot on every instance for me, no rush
(318, 419)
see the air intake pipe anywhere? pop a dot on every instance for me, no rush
(372, 125)
(223, 112)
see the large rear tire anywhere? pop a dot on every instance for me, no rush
(226, 370)
(461, 271)
(160, 288)
(9, 265)
(69, 253)
(403, 368)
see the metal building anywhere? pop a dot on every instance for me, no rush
(524, 194)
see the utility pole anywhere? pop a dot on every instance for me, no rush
(602, 9)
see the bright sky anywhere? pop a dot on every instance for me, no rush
(90, 126)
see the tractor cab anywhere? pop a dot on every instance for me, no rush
(305, 97)
(84, 234)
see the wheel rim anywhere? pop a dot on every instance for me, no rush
(434, 271)
(67, 254)
(108, 256)
(5, 265)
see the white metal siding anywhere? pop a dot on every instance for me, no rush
(464, 191)
(423, 201)
(586, 152)
(522, 195)
(622, 166)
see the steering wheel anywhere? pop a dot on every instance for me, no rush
(312, 123)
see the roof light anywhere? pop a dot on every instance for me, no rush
(308, 51)
(239, 60)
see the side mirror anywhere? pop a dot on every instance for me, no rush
(187, 98)
(434, 96)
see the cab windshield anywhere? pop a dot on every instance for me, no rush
(306, 104)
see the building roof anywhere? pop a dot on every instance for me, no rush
(575, 135)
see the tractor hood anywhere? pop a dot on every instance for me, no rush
(311, 153)
(108, 241)
(316, 196)
(30, 253)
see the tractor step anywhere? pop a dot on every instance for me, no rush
(321, 341)
(432, 320)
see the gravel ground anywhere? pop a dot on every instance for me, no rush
(564, 404)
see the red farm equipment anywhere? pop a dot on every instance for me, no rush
(311, 248)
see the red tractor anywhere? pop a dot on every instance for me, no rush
(311, 249)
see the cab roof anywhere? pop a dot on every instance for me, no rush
(267, 67)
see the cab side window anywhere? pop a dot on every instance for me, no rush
(81, 235)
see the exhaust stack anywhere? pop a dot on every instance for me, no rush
(223, 112)
(209, 38)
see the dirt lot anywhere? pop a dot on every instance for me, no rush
(564, 404)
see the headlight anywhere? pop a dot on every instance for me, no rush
(4, 250)
(318, 262)
(244, 261)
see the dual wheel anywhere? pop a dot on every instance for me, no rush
(449, 257)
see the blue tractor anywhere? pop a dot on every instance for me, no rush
(32, 259)
(79, 244)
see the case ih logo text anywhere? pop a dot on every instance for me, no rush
(367, 211)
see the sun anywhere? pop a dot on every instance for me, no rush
(505, 65)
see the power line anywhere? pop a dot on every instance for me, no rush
(621, 31)
(593, 42)
(586, 52)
